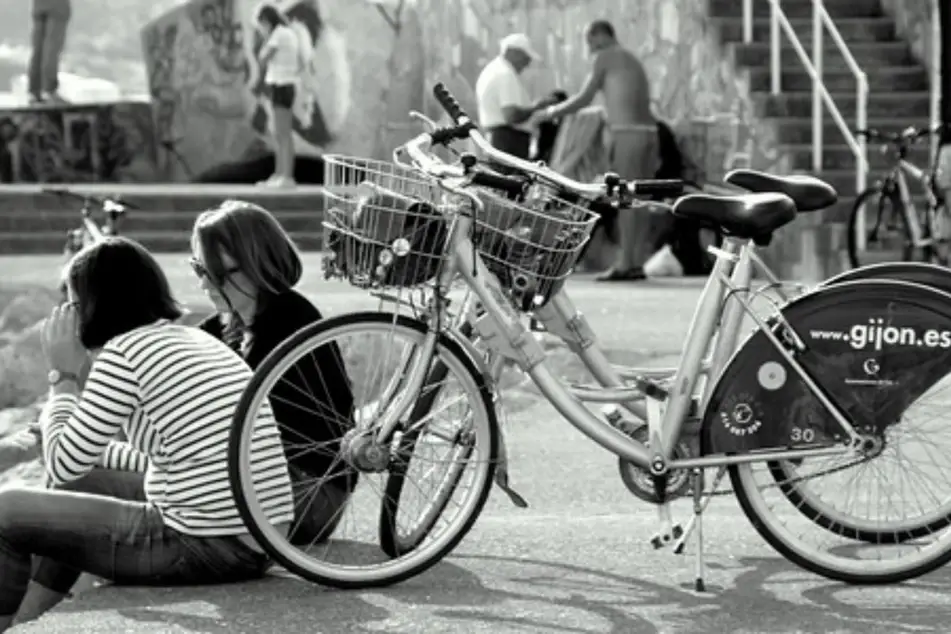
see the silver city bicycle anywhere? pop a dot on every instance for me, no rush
(834, 375)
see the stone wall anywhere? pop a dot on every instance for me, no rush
(914, 20)
(695, 85)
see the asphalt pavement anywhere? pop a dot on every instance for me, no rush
(576, 561)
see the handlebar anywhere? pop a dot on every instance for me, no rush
(107, 203)
(465, 128)
(909, 135)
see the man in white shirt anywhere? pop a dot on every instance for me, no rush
(504, 104)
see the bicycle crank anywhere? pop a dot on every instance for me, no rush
(641, 483)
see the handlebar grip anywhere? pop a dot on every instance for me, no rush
(449, 104)
(507, 184)
(442, 136)
(657, 188)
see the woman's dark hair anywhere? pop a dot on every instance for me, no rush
(270, 15)
(119, 287)
(255, 240)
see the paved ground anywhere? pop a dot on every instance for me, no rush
(577, 560)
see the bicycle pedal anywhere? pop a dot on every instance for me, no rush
(659, 540)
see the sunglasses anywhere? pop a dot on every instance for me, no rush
(202, 271)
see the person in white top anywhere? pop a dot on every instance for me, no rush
(504, 104)
(282, 57)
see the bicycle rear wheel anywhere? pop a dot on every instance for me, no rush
(882, 516)
(361, 551)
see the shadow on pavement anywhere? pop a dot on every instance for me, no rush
(769, 593)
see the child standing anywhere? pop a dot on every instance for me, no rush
(281, 56)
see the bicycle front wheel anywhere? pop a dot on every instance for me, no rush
(454, 446)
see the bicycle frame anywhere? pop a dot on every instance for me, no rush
(502, 330)
(899, 174)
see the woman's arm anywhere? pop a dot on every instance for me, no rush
(77, 429)
(121, 456)
(268, 50)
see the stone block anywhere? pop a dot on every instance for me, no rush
(78, 143)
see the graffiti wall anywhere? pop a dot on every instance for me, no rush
(371, 61)
(208, 88)
(112, 142)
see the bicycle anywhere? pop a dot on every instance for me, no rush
(894, 221)
(738, 391)
(89, 230)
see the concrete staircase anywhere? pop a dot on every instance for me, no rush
(898, 84)
(32, 222)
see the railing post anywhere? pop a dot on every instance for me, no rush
(936, 44)
(817, 140)
(861, 122)
(747, 21)
(861, 162)
(774, 49)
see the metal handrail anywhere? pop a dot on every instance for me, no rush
(821, 22)
(936, 45)
(858, 143)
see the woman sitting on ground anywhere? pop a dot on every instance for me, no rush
(158, 509)
(248, 267)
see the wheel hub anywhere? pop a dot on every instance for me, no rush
(872, 446)
(361, 451)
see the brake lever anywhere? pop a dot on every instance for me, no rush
(426, 121)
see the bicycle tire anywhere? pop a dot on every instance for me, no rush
(750, 496)
(860, 202)
(275, 545)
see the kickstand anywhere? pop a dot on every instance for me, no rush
(692, 522)
(698, 507)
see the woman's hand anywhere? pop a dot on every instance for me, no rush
(64, 352)
(18, 448)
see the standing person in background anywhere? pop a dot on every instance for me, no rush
(50, 18)
(282, 58)
(620, 77)
(504, 104)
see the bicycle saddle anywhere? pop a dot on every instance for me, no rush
(807, 192)
(749, 216)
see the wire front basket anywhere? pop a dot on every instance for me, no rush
(385, 227)
(382, 228)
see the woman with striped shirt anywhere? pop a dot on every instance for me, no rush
(157, 509)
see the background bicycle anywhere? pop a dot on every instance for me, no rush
(99, 217)
(885, 224)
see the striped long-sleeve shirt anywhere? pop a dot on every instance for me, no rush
(174, 390)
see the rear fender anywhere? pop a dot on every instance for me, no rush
(873, 346)
(932, 275)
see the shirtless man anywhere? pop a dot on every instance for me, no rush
(621, 79)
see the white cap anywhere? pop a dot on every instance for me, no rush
(519, 42)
